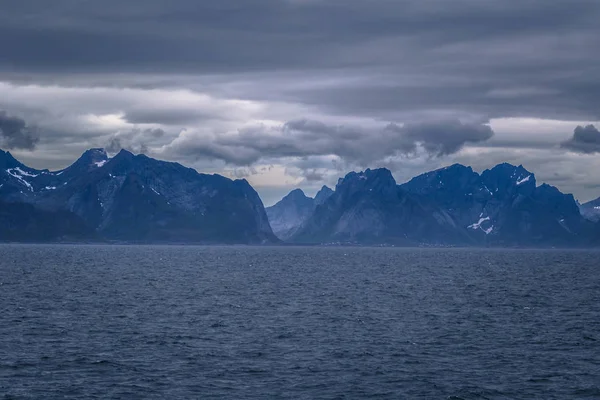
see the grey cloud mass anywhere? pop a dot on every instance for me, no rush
(494, 58)
(134, 140)
(314, 87)
(586, 139)
(442, 138)
(15, 134)
(354, 145)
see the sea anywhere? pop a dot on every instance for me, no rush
(187, 322)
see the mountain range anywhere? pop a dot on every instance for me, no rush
(137, 199)
(130, 198)
(456, 206)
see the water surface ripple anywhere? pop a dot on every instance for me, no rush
(144, 322)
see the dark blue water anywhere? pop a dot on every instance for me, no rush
(298, 323)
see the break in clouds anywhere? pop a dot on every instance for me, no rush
(297, 92)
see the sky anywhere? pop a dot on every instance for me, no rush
(296, 93)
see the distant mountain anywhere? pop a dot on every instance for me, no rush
(134, 198)
(591, 210)
(368, 207)
(503, 205)
(140, 199)
(290, 212)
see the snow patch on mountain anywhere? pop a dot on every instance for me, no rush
(477, 225)
(11, 172)
(521, 181)
(24, 173)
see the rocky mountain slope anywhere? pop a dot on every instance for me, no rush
(502, 206)
(135, 198)
(369, 207)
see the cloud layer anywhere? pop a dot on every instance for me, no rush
(300, 90)
(354, 145)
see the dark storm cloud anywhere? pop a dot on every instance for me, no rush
(15, 134)
(191, 34)
(355, 62)
(584, 140)
(442, 138)
(495, 58)
(386, 99)
(356, 145)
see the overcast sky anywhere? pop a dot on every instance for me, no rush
(295, 93)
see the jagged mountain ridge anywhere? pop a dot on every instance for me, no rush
(369, 207)
(137, 198)
(502, 206)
